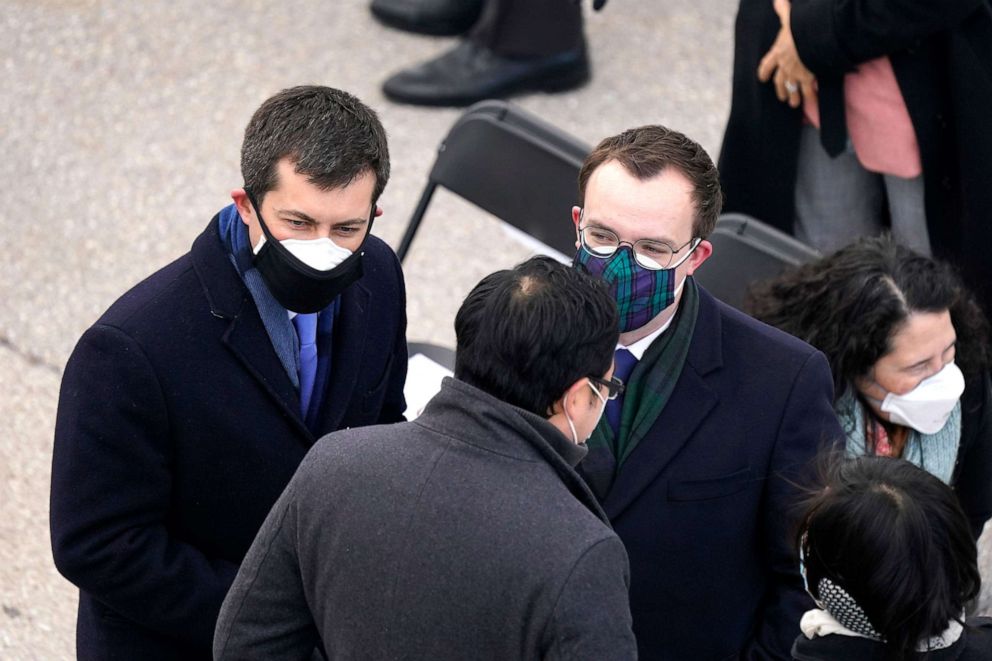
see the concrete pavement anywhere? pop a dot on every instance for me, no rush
(120, 128)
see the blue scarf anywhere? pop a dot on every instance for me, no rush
(234, 235)
(275, 318)
(935, 453)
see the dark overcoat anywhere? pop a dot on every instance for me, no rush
(707, 503)
(941, 53)
(178, 428)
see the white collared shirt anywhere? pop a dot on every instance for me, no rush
(638, 348)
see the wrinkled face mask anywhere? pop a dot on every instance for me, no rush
(641, 294)
(927, 407)
(305, 275)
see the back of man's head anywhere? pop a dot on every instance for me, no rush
(646, 151)
(329, 135)
(526, 335)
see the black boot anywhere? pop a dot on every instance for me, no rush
(437, 17)
(470, 72)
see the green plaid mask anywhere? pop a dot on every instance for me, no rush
(641, 294)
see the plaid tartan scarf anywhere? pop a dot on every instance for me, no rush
(648, 389)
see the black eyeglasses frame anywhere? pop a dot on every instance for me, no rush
(614, 386)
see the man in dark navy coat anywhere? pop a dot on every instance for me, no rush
(187, 407)
(698, 464)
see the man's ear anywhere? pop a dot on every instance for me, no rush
(243, 204)
(576, 394)
(699, 255)
(571, 394)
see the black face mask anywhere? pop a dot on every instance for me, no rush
(297, 286)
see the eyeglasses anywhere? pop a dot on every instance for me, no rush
(614, 386)
(652, 255)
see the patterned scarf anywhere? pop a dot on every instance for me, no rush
(935, 453)
(648, 389)
(840, 614)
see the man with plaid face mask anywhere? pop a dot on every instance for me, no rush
(698, 463)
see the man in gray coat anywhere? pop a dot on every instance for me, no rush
(466, 534)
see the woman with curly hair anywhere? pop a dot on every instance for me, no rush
(887, 554)
(907, 344)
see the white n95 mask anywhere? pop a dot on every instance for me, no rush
(321, 254)
(927, 407)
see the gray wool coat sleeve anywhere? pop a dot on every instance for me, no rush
(265, 614)
(591, 619)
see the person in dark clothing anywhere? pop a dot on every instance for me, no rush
(908, 348)
(697, 463)
(887, 553)
(900, 91)
(466, 534)
(187, 406)
(512, 46)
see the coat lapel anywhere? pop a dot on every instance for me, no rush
(347, 353)
(690, 403)
(248, 341)
(688, 406)
(245, 335)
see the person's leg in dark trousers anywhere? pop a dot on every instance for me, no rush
(516, 45)
(529, 28)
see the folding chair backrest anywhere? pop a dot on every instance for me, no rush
(746, 250)
(513, 165)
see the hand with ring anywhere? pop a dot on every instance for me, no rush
(781, 64)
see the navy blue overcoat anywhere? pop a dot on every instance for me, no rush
(177, 430)
(706, 504)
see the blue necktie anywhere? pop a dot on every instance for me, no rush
(623, 365)
(306, 329)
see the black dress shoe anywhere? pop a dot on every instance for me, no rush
(437, 17)
(470, 73)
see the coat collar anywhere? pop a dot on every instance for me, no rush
(687, 408)
(472, 416)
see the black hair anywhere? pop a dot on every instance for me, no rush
(895, 538)
(330, 136)
(850, 303)
(527, 334)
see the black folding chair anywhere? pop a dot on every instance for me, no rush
(746, 250)
(513, 165)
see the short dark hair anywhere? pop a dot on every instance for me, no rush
(850, 303)
(648, 150)
(525, 335)
(894, 537)
(330, 136)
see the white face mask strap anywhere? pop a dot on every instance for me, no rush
(599, 395)
(682, 261)
(571, 426)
